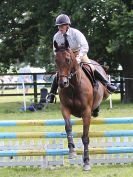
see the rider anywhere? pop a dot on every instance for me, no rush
(79, 46)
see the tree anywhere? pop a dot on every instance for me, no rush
(108, 26)
(27, 29)
(24, 25)
(121, 43)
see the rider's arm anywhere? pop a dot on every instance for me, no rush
(84, 47)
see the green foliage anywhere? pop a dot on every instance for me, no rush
(27, 29)
(121, 26)
(22, 25)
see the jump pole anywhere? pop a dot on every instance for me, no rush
(62, 152)
(61, 122)
(96, 134)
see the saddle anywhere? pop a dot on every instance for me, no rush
(89, 73)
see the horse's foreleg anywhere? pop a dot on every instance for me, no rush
(71, 146)
(85, 140)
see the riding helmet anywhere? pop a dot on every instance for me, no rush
(62, 20)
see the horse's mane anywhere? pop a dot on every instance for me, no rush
(62, 47)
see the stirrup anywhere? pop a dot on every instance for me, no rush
(111, 88)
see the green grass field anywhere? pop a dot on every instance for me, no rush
(10, 110)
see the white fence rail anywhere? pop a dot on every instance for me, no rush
(50, 161)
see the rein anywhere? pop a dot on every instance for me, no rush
(70, 76)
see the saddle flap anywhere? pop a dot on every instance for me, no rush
(89, 73)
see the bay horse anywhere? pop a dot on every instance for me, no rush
(77, 96)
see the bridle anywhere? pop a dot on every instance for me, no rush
(72, 73)
(69, 77)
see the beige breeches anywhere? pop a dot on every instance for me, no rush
(87, 60)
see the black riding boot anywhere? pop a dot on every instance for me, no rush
(54, 87)
(105, 82)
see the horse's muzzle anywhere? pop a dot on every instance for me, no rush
(63, 82)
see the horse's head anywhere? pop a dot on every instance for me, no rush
(66, 63)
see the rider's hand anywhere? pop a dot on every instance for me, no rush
(78, 59)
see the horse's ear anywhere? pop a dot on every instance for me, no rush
(66, 44)
(56, 45)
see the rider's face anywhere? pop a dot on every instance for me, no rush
(63, 28)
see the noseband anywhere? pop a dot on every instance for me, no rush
(69, 77)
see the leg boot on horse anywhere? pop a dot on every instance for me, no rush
(85, 140)
(71, 146)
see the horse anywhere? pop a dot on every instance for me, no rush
(77, 96)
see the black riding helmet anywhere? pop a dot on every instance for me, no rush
(62, 20)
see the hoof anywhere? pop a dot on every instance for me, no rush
(86, 167)
(72, 155)
(11, 157)
(95, 114)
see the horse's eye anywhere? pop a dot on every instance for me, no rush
(68, 60)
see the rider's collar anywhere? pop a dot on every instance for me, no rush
(68, 31)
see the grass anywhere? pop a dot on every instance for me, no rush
(10, 110)
(69, 171)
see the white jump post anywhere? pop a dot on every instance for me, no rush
(110, 97)
(23, 86)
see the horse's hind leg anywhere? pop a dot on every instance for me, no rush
(71, 146)
(85, 140)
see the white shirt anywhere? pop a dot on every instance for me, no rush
(76, 39)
